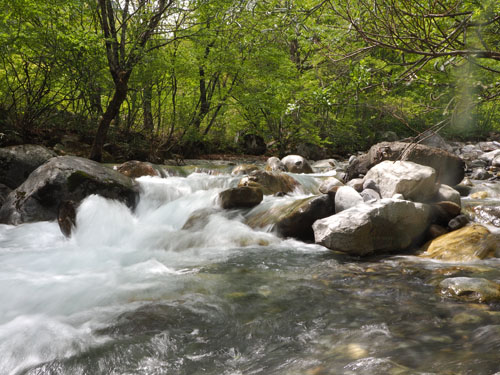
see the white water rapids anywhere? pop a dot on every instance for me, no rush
(55, 291)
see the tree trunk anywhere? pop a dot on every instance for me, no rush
(112, 110)
(147, 110)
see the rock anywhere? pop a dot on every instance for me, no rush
(370, 184)
(433, 139)
(4, 192)
(447, 193)
(270, 182)
(480, 195)
(244, 169)
(17, 162)
(61, 179)
(489, 156)
(464, 190)
(253, 144)
(356, 184)
(135, 169)
(445, 211)
(496, 161)
(485, 214)
(296, 164)
(66, 217)
(463, 245)
(327, 185)
(370, 195)
(470, 289)
(345, 198)
(458, 222)
(241, 197)
(274, 164)
(296, 218)
(325, 165)
(383, 226)
(449, 167)
(199, 219)
(435, 231)
(416, 182)
(480, 174)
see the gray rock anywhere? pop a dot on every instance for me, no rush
(447, 193)
(458, 222)
(480, 174)
(346, 197)
(384, 226)
(416, 182)
(370, 195)
(370, 184)
(61, 179)
(356, 184)
(4, 192)
(296, 164)
(241, 197)
(274, 164)
(328, 184)
(17, 162)
(496, 161)
(270, 182)
(489, 156)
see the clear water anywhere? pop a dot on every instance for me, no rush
(134, 293)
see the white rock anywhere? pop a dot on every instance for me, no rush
(447, 193)
(345, 198)
(489, 156)
(296, 164)
(382, 226)
(416, 182)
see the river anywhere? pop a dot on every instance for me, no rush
(134, 293)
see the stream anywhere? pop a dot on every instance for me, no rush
(135, 293)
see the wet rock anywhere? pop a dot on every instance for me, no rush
(447, 193)
(436, 230)
(327, 185)
(416, 182)
(135, 169)
(17, 162)
(383, 226)
(345, 198)
(274, 164)
(449, 167)
(270, 182)
(60, 179)
(241, 197)
(4, 192)
(370, 195)
(444, 211)
(244, 169)
(489, 156)
(296, 218)
(480, 195)
(199, 219)
(458, 222)
(470, 289)
(463, 245)
(485, 214)
(296, 164)
(66, 217)
(356, 184)
(480, 174)
(464, 190)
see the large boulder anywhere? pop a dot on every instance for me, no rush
(463, 245)
(17, 162)
(416, 182)
(64, 178)
(270, 182)
(297, 164)
(294, 219)
(450, 168)
(383, 226)
(241, 197)
(4, 192)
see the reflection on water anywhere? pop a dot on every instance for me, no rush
(133, 293)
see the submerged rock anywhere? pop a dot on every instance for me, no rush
(449, 167)
(463, 245)
(241, 197)
(135, 169)
(470, 289)
(296, 218)
(270, 182)
(384, 226)
(416, 182)
(60, 179)
(17, 162)
(296, 164)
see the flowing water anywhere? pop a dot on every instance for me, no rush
(135, 293)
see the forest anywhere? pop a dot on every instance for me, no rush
(148, 79)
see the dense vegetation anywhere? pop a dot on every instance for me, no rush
(188, 77)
